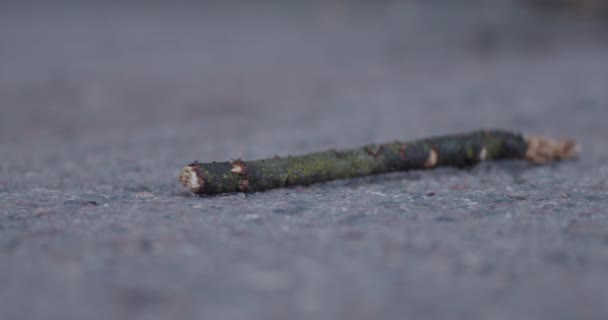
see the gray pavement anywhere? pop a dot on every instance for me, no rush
(102, 105)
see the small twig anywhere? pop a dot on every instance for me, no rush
(463, 150)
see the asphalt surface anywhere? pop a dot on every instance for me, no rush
(102, 105)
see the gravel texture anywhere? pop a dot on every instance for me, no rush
(103, 104)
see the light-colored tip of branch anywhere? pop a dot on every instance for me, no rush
(189, 179)
(543, 150)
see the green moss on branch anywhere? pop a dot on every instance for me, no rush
(463, 150)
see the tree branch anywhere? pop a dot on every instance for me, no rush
(463, 150)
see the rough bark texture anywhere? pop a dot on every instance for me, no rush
(462, 150)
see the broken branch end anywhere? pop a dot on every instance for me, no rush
(543, 150)
(190, 178)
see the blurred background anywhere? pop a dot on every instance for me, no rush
(69, 69)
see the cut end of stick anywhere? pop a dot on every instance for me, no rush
(543, 150)
(189, 178)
